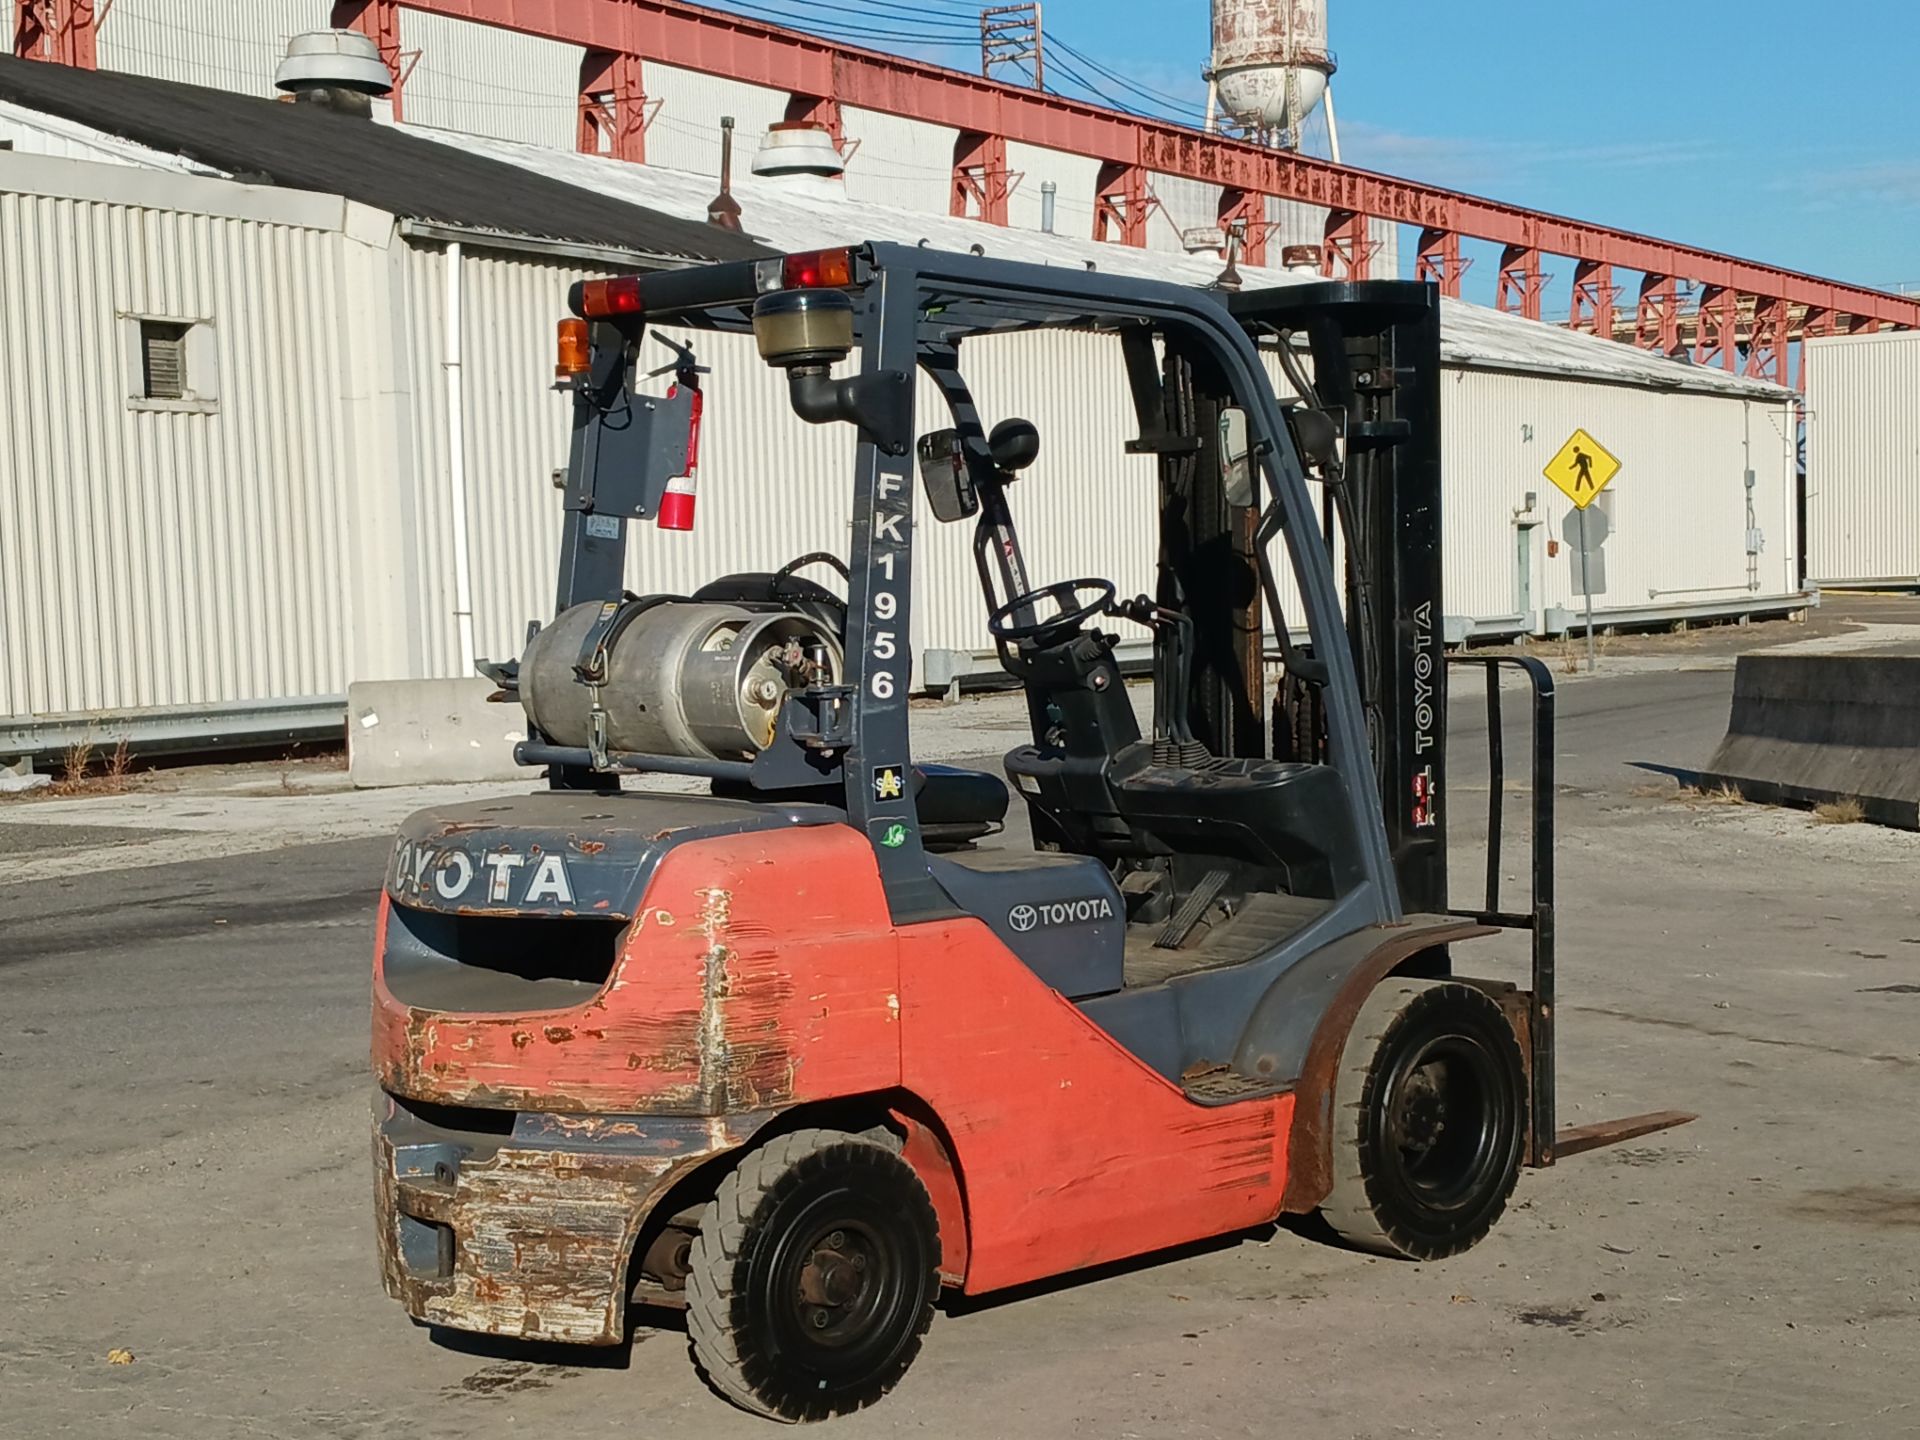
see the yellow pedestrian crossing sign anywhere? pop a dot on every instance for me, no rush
(1583, 468)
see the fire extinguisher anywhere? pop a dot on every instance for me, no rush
(676, 505)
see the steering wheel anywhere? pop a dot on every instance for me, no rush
(1072, 612)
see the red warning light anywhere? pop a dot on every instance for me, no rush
(603, 299)
(818, 270)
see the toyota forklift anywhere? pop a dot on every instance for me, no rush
(752, 1014)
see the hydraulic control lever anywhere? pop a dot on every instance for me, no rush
(1172, 677)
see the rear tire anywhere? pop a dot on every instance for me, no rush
(813, 1277)
(1429, 1112)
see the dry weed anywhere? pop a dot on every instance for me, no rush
(73, 767)
(1719, 795)
(114, 774)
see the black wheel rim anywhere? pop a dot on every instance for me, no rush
(1444, 1118)
(838, 1293)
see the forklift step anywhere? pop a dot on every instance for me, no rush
(1190, 913)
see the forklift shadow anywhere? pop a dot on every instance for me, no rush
(1310, 1228)
(1678, 773)
(645, 1321)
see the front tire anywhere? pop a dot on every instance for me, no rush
(813, 1277)
(1429, 1115)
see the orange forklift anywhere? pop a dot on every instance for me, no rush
(811, 1033)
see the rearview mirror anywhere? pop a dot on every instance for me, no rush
(1236, 463)
(943, 471)
(1315, 434)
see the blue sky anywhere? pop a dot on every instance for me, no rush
(1779, 131)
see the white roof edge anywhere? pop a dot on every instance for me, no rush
(63, 178)
(113, 149)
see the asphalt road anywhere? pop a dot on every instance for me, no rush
(186, 1176)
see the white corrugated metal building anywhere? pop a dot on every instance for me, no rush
(1863, 461)
(1683, 512)
(299, 534)
(483, 80)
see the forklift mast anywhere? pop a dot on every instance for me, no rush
(1375, 351)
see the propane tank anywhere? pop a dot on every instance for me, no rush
(1270, 60)
(703, 681)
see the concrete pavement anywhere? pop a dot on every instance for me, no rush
(183, 1040)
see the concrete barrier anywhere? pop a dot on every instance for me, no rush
(1817, 729)
(431, 732)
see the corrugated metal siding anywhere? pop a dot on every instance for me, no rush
(771, 488)
(1086, 507)
(1863, 460)
(423, 465)
(898, 161)
(488, 81)
(231, 44)
(685, 133)
(1185, 204)
(1679, 505)
(162, 557)
(1076, 175)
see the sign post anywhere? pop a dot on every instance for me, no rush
(1583, 468)
(1586, 585)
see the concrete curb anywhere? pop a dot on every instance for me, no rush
(430, 732)
(1821, 729)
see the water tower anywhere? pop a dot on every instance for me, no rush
(1270, 66)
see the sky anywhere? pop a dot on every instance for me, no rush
(1736, 125)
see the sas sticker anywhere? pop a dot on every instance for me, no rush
(889, 782)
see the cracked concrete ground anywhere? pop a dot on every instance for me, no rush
(183, 1034)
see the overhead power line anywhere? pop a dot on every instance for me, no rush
(1145, 92)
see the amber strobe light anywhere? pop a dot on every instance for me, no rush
(604, 299)
(571, 350)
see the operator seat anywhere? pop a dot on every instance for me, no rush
(1095, 786)
(956, 806)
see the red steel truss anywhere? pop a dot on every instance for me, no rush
(65, 32)
(1747, 316)
(613, 106)
(982, 183)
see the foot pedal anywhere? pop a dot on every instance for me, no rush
(1191, 910)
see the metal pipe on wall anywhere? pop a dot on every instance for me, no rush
(457, 459)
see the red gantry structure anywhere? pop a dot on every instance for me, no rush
(1742, 315)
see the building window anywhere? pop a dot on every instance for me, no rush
(172, 364)
(163, 359)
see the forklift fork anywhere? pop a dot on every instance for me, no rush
(1544, 1144)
